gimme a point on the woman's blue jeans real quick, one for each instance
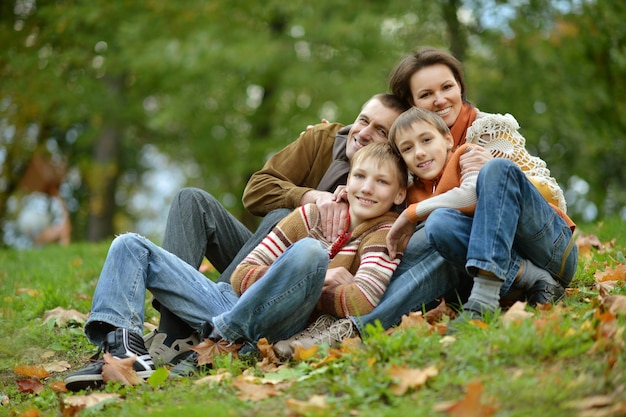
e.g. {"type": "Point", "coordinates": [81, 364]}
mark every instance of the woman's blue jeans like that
{"type": "Point", "coordinates": [512, 222]}
{"type": "Point", "coordinates": [276, 307]}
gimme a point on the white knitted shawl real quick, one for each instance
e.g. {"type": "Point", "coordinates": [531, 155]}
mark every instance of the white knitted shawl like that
{"type": "Point", "coordinates": [499, 134]}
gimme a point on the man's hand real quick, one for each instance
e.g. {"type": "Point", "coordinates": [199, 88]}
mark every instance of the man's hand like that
{"type": "Point", "coordinates": [474, 159]}
{"type": "Point", "coordinates": [399, 234]}
{"type": "Point", "coordinates": [333, 212]}
{"type": "Point", "coordinates": [337, 276]}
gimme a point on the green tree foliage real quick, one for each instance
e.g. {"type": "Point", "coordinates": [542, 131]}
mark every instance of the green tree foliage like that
{"type": "Point", "coordinates": [218, 83]}
{"type": "Point", "coordinates": [562, 73]}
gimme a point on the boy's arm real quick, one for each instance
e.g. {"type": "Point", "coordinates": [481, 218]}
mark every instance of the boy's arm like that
{"type": "Point", "coordinates": [462, 198]}
{"type": "Point", "coordinates": [370, 281]}
{"type": "Point", "coordinates": [254, 266]}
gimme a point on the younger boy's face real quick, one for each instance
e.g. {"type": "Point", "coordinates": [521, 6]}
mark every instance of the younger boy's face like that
{"type": "Point", "coordinates": [373, 188]}
{"type": "Point", "coordinates": [424, 149]}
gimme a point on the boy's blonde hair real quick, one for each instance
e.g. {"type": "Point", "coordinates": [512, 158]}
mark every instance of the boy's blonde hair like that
{"type": "Point", "coordinates": [414, 115]}
{"type": "Point", "coordinates": [383, 152]}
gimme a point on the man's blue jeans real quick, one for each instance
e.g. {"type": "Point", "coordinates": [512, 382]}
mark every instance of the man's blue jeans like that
{"type": "Point", "coordinates": [512, 222]}
{"type": "Point", "coordinates": [276, 307]}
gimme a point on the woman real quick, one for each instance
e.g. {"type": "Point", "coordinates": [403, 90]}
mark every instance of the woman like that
{"type": "Point", "coordinates": [433, 79]}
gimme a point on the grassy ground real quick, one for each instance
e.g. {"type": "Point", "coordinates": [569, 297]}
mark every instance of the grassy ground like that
{"type": "Point", "coordinates": [565, 361]}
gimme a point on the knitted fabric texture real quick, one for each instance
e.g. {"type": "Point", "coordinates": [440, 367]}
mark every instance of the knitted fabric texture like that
{"type": "Point", "coordinates": [364, 254]}
{"type": "Point", "coordinates": [499, 135]}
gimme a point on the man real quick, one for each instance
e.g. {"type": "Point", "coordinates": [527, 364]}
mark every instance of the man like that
{"type": "Point", "coordinates": [306, 171]}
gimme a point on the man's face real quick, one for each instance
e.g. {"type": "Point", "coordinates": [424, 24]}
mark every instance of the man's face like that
{"type": "Point", "coordinates": [371, 125]}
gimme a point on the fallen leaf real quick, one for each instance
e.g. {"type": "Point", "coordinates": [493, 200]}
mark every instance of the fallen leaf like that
{"type": "Point", "coordinates": [63, 317]}
{"type": "Point", "coordinates": [587, 242]}
{"type": "Point", "coordinates": [30, 385]}
{"type": "Point", "coordinates": [470, 406]}
{"type": "Point", "coordinates": [517, 313]}
{"type": "Point", "coordinates": [616, 273]}
{"type": "Point", "coordinates": [616, 304]}
{"type": "Point", "coordinates": [214, 379]}
{"type": "Point", "coordinates": [120, 370]}
{"type": "Point", "coordinates": [254, 392]}
{"type": "Point", "coordinates": [208, 350]}
{"type": "Point", "coordinates": [32, 371]}
{"type": "Point", "coordinates": [302, 354]}
{"type": "Point", "coordinates": [57, 366]}
{"type": "Point", "coordinates": [407, 378]}
{"type": "Point", "coordinates": [57, 386]}
{"type": "Point", "coordinates": [314, 405]}
{"type": "Point", "coordinates": [78, 402]}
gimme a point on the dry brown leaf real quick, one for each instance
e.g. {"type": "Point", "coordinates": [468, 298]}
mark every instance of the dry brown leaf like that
{"type": "Point", "coordinates": [616, 273]}
{"type": "Point", "coordinates": [254, 392]}
{"type": "Point", "coordinates": [315, 404]}
{"type": "Point", "coordinates": [57, 366]}
{"type": "Point", "coordinates": [587, 242]}
{"type": "Point", "coordinates": [415, 319]}
{"type": "Point", "coordinates": [57, 386]}
{"type": "Point", "coordinates": [270, 360]}
{"type": "Point", "coordinates": [84, 401]}
{"type": "Point", "coordinates": [32, 371]}
{"type": "Point", "coordinates": [516, 314]}
{"type": "Point", "coordinates": [31, 412]}
{"type": "Point", "coordinates": [214, 379]}
{"type": "Point", "coordinates": [120, 370]}
{"type": "Point", "coordinates": [30, 385]}
{"type": "Point", "coordinates": [63, 317]}
{"type": "Point", "coordinates": [616, 304]}
{"type": "Point", "coordinates": [438, 313]}
{"type": "Point", "coordinates": [209, 349]}
{"type": "Point", "coordinates": [407, 378]}
{"type": "Point", "coordinates": [470, 406]}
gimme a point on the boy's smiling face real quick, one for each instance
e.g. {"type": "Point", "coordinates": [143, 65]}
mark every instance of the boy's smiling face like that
{"type": "Point", "coordinates": [373, 188]}
{"type": "Point", "coordinates": [424, 149]}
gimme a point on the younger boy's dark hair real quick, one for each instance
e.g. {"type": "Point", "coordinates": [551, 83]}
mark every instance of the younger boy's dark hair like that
{"type": "Point", "coordinates": [414, 115]}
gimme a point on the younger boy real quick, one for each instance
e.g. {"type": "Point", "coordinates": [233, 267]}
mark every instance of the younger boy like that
{"type": "Point", "coordinates": [494, 222]}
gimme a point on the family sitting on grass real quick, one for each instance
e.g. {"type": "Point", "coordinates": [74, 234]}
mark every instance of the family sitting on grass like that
{"type": "Point", "coordinates": [328, 260]}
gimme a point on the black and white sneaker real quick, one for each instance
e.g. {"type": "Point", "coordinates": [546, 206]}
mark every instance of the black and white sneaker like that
{"type": "Point", "coordinates": [120, 343]}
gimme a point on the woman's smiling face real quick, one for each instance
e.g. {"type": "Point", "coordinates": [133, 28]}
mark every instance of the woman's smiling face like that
{"type": "Point", "coordinates": [434, 88]}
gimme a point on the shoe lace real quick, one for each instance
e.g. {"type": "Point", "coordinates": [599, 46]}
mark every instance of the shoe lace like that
{"type": "Point", "coordinates": [327, 329]}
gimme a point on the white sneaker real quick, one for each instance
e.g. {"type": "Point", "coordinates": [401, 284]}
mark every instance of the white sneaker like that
{"type": "Point", "coordinates": [326, 329]}
{"type": "Point", "coordinates": [163, 354]}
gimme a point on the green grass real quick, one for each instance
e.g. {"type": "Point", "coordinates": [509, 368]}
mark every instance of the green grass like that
{"type": "Point", "coordinates": [538, 367]}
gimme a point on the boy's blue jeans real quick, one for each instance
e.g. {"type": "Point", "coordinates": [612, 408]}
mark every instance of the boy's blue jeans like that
{"type": "Point", "coordinates": [512, 222]}
{"type": "Point", "coordinates": [276, 307]}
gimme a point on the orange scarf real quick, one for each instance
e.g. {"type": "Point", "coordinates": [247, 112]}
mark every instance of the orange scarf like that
{"type": "Point", "coordinates": [462, 123]}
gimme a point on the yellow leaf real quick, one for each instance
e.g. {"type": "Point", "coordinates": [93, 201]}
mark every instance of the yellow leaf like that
{"type": "Point", "coordinates": [516, 313]}
{"type": "Point", "coordinates": [315, 404]}
{"type": "Point", "coordinates": [406, 378]}
{"type": "Point", "coordinates": [302, 354]}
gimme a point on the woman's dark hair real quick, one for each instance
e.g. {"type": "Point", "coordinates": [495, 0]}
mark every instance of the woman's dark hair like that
{"type": "Point", "coordinates": [400, 78]}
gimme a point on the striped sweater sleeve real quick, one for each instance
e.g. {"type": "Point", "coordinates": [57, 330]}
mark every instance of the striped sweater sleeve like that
{"type": "Point", "coordinates": [371, 279]}
{"type": "Point", "coordinates": [255, 265]}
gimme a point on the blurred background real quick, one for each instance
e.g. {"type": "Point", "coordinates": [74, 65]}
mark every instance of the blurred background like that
{"type": "Point", "coordinates": [117, 105]}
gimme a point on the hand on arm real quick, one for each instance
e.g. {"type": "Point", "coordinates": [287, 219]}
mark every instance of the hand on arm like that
{"type": "Point", "coordinates": [333, 213]}
{"type": "Point", "coordinates": [338, 276]}
{"type": "Point", "coordinates": [399, 234]}
{"type": "Point", "coordinates": [474, 159]}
